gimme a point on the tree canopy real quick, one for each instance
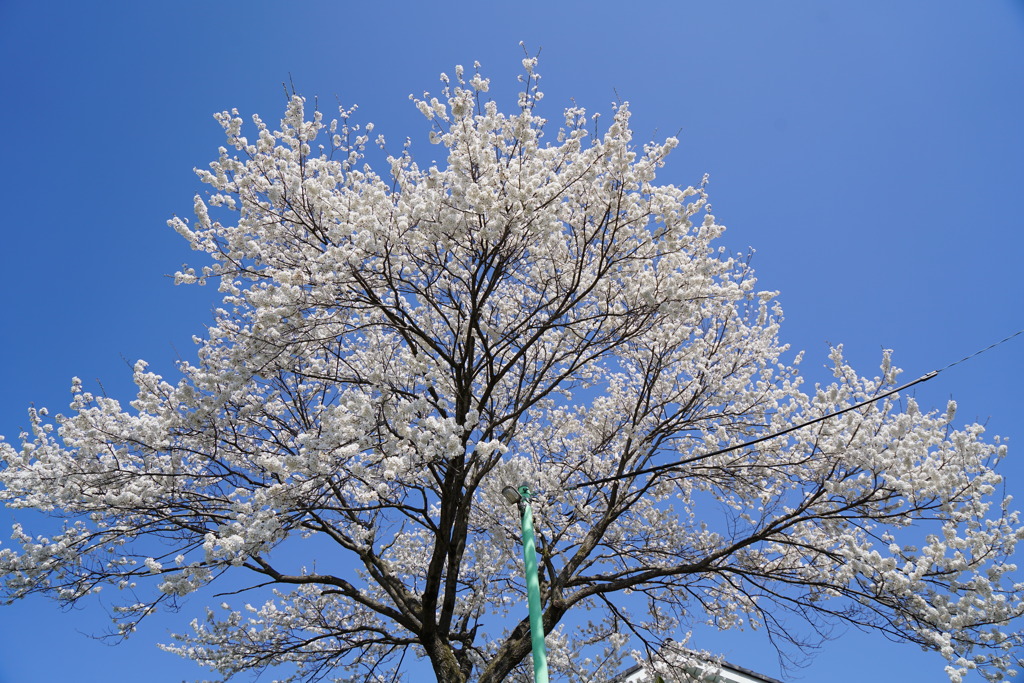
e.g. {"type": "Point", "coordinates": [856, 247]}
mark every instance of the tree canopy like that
{"type": "Point", "coordinates": [395, 348]}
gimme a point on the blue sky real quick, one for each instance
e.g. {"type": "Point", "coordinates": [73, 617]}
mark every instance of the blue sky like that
{"type": "Point", "coordinates": [872, 153]}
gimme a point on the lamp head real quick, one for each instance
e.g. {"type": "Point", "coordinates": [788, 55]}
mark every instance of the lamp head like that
{"type": "Point", "coordinates": [511, 495]}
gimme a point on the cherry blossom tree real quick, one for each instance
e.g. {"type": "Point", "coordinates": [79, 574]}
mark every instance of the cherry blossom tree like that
{"type": "Point", "coordinates": [393, 349]}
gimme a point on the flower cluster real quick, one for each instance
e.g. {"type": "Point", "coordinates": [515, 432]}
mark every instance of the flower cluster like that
{"type": "Point", "coordinates": [392, 350]}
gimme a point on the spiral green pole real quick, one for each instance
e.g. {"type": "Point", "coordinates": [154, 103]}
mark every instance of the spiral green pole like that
{"type": "Point", "coordinates": [540, 659]}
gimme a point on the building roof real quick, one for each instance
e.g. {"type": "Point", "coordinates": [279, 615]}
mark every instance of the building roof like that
{"type": "Point", "coordinates": [727, 673]}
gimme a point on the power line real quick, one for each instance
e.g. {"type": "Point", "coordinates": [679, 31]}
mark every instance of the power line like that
{"type": "Point", "coordinates": [978, 353]}
{"type": "Point", "coordinates": [702, 456]}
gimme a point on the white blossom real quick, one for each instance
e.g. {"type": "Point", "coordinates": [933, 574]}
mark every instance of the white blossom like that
{"type": "Point", "coordinates": [392, 350]}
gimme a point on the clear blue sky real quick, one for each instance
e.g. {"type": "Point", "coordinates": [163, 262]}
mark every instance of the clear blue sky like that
{"type": "Point", "coordinates": [871, 152]}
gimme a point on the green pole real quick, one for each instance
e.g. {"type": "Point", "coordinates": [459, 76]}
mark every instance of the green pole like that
{"type": "Point", "coordinates": [540, 660]}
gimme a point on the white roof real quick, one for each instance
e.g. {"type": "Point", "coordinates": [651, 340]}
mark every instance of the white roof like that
{"type": "Point", "coordinates": [722, 673]}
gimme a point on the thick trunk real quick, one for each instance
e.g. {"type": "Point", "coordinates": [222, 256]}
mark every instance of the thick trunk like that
{"type": "Point", "coordinates": [446, 665]}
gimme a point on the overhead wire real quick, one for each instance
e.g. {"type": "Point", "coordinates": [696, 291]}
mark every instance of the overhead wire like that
{"type": "Point", "coordinates": [783, 432]}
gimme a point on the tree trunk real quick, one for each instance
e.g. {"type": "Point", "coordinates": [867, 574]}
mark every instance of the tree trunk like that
{"type": "Point", "coordinates": [443, 660]}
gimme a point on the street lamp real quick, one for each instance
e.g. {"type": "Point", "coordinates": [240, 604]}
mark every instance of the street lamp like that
{"type": "Point", "coordinates": [521, 498]}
